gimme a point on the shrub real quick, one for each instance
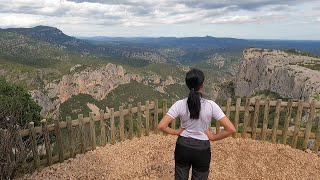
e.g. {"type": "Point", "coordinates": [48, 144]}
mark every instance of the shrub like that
{"type": "Point", "coordinates": [17, 109]}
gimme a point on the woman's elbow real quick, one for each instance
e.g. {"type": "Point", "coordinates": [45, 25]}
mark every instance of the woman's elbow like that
{"type": "Point", "coordinates": [161, 127]}
{"type": "Point", "coordinates": [232, 130]}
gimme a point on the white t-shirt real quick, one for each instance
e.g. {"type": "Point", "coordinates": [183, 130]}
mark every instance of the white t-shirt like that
{"type": "Point", "coordinates": [196, 128]}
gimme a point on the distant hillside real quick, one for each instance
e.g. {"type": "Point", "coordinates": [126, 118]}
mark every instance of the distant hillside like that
{"type": "Point", "coordinates": [53, 36]}
{"type": "Point", "coordinates": [221, 44]}
{"type": "Point", "coordinates": [174, 40]}
{"type": "Point", "coordinates": [140, 51]}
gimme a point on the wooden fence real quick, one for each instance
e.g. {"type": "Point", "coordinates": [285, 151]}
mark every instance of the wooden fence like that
{"type": "Point", "coordinates": [258, 119]}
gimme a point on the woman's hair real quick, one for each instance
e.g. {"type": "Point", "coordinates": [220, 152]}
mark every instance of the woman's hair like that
{"type": "Point", "coordinates": [194, 81]}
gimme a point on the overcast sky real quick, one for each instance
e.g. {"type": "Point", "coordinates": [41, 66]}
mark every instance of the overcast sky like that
{"type": "Point", "coordinates": [250, 19]}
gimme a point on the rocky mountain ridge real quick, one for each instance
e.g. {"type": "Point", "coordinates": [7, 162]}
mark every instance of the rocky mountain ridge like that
{"type": "Point", "coordinates": [277, 71]}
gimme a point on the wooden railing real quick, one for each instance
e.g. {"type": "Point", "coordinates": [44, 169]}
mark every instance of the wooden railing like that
{"type": "Point", "coordinates": [252, 118]}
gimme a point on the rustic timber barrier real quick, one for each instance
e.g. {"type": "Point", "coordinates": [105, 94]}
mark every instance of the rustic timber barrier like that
{"type": "Point", "coordinates": [289, 122]}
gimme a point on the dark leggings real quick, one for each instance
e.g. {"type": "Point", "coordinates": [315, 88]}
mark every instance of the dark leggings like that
{"type": "Point", "coordinates": [192, 152]}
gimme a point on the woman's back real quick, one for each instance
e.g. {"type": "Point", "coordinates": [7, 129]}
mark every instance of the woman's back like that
{"type": "Point", "coordinates": [196, 128]}
{"type": "Point", "coordinates": [195, 112]}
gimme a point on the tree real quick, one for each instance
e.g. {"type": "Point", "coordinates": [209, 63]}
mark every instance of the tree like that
{"type": "Point", "coordinates": [16, 106]}
{"type": "Point", "coordinates": [17, 109]}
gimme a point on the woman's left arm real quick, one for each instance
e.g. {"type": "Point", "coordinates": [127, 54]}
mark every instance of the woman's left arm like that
{"type": "Point", "coordinates": [164, 126]}
{"type": "Point", "coordinates": [226, 132]}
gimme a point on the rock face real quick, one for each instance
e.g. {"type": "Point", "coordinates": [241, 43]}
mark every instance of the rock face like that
{"type": "Point", "coordinates": [44, 101]}
{"type": "Point", "coordinates": [217, 60]}
{"type": "Point", "coordinates": [96, 82]}
{"type": "Point", "coordinates": [277, 71]}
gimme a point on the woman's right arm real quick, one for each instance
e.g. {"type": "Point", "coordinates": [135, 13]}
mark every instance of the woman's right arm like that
{"type": "Point", "coordinates": [227, 131]}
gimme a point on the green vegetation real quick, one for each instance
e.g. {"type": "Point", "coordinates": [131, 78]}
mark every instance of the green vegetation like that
{"type": "Point", "coordinates": [316, 97]}
{"type": "Point", "coordinates": [266, 94]}
{"type": "Point", "coordinates": [299, 53]}
{"type": "Point", "coordinates": [17, 109]}
{"type": "Point", "coordinates": [314, 65]}
{"type": "Point", "coordinates": [177, 91]}
{"type": "Point", "coordinates": [16, 106]}
{"type": "Point", "coordinates": [121, 96]}
{"type": "Point", "coordinates": [259, 50]}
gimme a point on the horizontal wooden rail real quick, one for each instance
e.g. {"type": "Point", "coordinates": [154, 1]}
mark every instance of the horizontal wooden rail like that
{"type": "Point", "coordinates": [285, 104]}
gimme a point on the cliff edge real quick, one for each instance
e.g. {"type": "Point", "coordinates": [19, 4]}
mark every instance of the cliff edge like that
{"type": "Point", "coordinates": [291, 74]}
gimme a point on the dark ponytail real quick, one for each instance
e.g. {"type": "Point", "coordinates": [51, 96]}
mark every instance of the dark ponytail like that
{"type": "Point", "coordinates": [194, 81]}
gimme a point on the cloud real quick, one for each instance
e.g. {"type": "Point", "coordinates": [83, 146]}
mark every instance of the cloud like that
{"type": "Point", "coordinates": [240, 4]}
{"type": "Point", "coordinates": [18, 20]}
{"type": "Point", "coordinates": [76, 14]}
{"type": "Point", "coordinates": [143, 12]}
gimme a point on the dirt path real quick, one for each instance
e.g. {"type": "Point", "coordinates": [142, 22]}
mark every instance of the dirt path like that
{"type": "Point", "coordinates": [152, 158]}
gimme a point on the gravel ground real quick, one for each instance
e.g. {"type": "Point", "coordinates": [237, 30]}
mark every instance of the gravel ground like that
{"type": "Point", "coordinates": [152, 158]}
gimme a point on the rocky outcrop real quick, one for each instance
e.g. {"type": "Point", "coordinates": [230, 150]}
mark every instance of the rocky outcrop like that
{"type": "Point", "coordinates": [45, 102]}
{"type": "Point", "coordinates": [95, 109]}
{"type": "Point", "coordinates": [217, 60]}
{"type": "Point", "coordinates": [98, 83]}
{"type": "Point", "coordinates": [279, 72]}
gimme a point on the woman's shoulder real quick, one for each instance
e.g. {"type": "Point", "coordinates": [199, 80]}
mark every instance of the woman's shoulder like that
{"type": "Point", "coordinates": [208, 100]}
{"type": "Point", "coordinates": [181, 101]}
{"type": "Point", "coordinates": [211, 102]}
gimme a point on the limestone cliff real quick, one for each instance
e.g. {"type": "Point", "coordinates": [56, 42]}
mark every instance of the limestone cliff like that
{"type": "Point", "coordinates": [288, 74]}
{"type": "Point", "coordinates": [96, 82]}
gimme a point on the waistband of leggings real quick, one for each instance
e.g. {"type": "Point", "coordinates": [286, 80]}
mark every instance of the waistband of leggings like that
{"type": "Point", "coordinates": [193, 143]}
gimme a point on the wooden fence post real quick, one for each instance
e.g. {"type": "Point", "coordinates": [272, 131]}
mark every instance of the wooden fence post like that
{"type": "Point", "coordinates": [276, 121]}
{"type": "Point", "coordinates": [218, 124]}
{"type": "Point", "coordinates": [47, 143]}
{"type": "Point", "coordinates": [92, 131]}
{"type": "Point", "coordinates": [130, 122]}
{"type": "Point", "coordinates": [113, 128]}
{"type": "Point", "coordinates": [297, 125]}
{"type": "Point", "coordinates": [71, 136]}
{"type": "Point", "coordinates": [139, 125]}
{"type": "Point", "coordinates": [164, 107]}
{"type": "Point", "coordinates": [228, 110]}
{"type": "Point", "coordinates": [236, 118]}
{"type": "Point", "coordinates": [121, 117]}
{"type": "Point", "coordinates": [255, 118]}
{"type": "Point", "coordinates": [36, 159]}
{"type": "Point", "coordinates": [81, 129]}
{"type": "Point", "coordinates": [317, 140]}
{"type": "Point", "coordinates": [59, 140]}
{"type": "Point", "coordinates": [146, 114]}
{"type": "Point", "coordinates": [309, 125]}
{"type": "Point", "coordinates": [103, 139]}
{"type": "Point", "coordinates": [155, 123]}
{"type": "Point", "coordinates": [164, 110]}
{"type": "Point", "coordinates": [173, 123]}
{"type": "Point", "coordinates": [287, 122]}
{"type": "Point", "coordinates": [246, 118]}
{"type": "Point", "coordinates": [265, 120]}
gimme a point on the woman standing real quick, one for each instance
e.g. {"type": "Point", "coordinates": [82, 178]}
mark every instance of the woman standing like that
{"type": "Point", "coordinates": [195, 112]}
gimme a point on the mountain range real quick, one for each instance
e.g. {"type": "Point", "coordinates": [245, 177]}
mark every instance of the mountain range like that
{"type": "Point", "coordinates": [68, 75]}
